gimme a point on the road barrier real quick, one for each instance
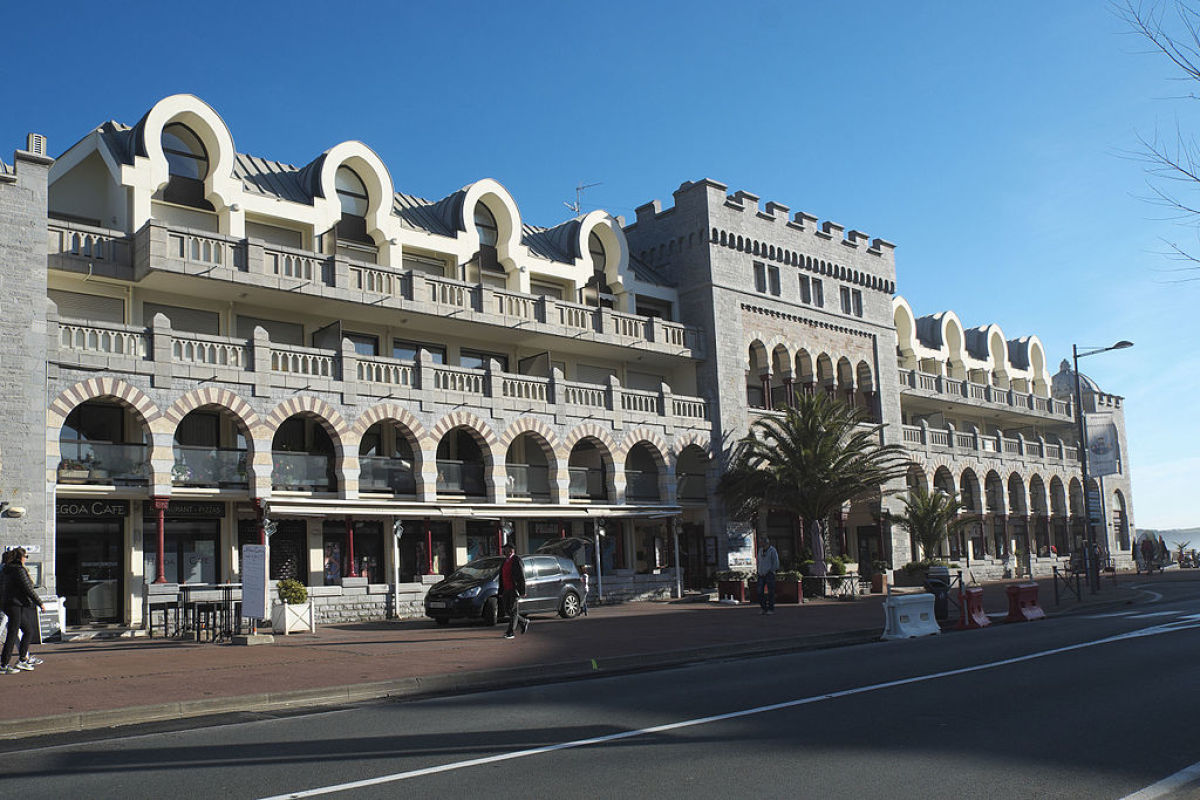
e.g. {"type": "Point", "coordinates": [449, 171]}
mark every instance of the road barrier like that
{"type": "Point", "coordinates": [1023, 603]}
{"type": "Point", "coordinates": [907, 616]}
{"type": "Point", "coordinates": [971, 609]}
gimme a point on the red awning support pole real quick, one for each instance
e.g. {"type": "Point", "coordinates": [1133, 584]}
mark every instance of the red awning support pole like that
{"type": "Point", "coordinates": [428, 548]}
{"type": "Point", "coordinates": [160, 506]}
{"type": "Point", "coordinates": [352, 572]}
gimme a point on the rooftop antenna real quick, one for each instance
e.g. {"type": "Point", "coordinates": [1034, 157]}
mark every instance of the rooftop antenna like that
{"type": "Point", "coordinates": [577, 206]}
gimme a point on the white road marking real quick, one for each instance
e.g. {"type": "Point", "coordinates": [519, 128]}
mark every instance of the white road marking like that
{"type": "Point", "coordinates": [1109, 615]}
{"type": "Point", "coordinates": [1168, 784]}
{"type": "Point", "coordinates": [1150, 614]}
{"type": "Point", "coordinates": [690, 723]}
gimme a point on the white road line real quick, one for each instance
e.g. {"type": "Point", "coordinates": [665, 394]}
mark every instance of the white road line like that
{"type": "Point", "coordinates": [1150, 614]}
{"type": "Point", "coordinates": [1109, 615]}
{"type": "Point", "coordinates": [1168, 785]}
{"type": "Point", "coordinates": [475, 762]}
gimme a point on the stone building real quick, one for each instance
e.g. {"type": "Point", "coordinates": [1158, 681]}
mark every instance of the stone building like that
{"type": "Point", "coordinates": [206, 346]}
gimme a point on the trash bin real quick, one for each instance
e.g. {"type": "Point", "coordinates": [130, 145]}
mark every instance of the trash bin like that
{"type": "Point", "coordinates": [937, 583]}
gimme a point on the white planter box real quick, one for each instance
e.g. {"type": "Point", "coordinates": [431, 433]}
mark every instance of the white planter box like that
{"type": "Point", "coordinates": [289, 618]}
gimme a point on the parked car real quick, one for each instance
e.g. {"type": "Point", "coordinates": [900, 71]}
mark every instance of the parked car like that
{"type": "Point", "coordinates": [552, 584]}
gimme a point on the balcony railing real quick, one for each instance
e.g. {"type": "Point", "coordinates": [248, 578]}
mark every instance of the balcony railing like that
{"type": "Point", "coordinates": [301, 472]}
{"type": "Point", "coordinates": [386, 474]}
{"type": "Point", "coordinates": [923, 436]}
{"type": "Point", "coordinates": [104, 463]}
{"type": "Point", "coordinates": [528, 480]}
{"type": "Point", "coordinates": [209, 466]}
{"type": "Point", "coordinates": [691, 488]}
{"type": "Point", "coordinates": [587, 484]}
{"type": "Point", "coordinates": [967, 390]}
{"type": "Point", "coordinates": [265, 363]}
{"type": "Point", "coordinates": [460, 477]}
{"type": "Point", "coordinates": [640, 485]}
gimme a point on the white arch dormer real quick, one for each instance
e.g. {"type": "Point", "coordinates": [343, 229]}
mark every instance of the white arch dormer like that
{"type": "Point", "coordinates": [997, 350]}
{"type": "Point", "coordinates": [369, 167]}
{"type": "Point", "coordinates": [906, 332]}
{"type": "Point", "coordinates": [955, 343]}
{"type": "Point", "coordinates": [150, 173]}
{"type": "Point", "coordinates": [616, 248]}
{"type": "Point", "coordinates": [504, 209]}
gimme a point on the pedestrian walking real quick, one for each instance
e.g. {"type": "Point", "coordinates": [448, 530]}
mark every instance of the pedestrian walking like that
{"type": "Point", "coordinates": [18, 599]}
{"type": "Point", "coordinates": [583, 575]}
{"type": "Point", "coordinates": [768, 565]}
{"type": "Point", "coordinates": [512, 589]}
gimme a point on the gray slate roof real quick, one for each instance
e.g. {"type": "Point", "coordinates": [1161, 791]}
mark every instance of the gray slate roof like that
{"type": "Point", "coordinates": [443, 217]}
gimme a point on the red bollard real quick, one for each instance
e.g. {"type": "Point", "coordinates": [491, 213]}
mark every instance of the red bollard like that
{"type": "Point", "coordinates": [1023, 603]}
{"type": "Point", "coordinates": [972, 616]}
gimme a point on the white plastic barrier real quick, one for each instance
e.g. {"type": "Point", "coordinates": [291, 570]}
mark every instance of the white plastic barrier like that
{"type": "Point", "coordinates": [907, 616]}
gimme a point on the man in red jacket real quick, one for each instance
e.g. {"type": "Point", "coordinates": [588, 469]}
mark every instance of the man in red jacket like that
{"type": "Point", "coordinates": [512, 589]}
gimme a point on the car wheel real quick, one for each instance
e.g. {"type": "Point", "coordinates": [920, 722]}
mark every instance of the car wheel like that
{"type": "Point", "coordinates": [442, 621]}
{"type": "Point", "coordinates": [570, 607]}
{"type": "Point", "coordinates": [490, 613]}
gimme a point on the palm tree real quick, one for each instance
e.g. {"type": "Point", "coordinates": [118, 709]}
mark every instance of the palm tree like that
{"type": "Point", "coordinates": [930, 517]}
{"type": "Point", "coordinates": [817, 457]}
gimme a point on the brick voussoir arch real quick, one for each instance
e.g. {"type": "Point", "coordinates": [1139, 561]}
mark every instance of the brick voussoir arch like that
{"type": "Point", "coordinates": [95, 388]}
{"type": "Point", "coordinates": [213, 396]}
{"type": "Point", "coordinates": [689, 439]}
{"type": "Point", "coordinates": [465, 419]}
{"type": "Point", "coordinates": [311, 406]}
{"type": "Point", "coordinates": [389, 411]}
{"type": "Point", "coordinates": [590, 430]}
{"type": "Point", "coordinates": [639, 435]}
{"type": "Point", "coordinates": [524, 425]}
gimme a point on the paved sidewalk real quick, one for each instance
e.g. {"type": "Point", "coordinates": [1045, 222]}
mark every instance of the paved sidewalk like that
{"type": "Point", "coordinates": [102, 683]}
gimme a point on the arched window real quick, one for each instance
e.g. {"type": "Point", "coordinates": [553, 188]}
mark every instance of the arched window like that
{"type": "Point", "coordinates": [596, 291]}
{"type": "Point", "coordinates": [353, 199]}
{"type": "Point", "coordinates": [485, 226]}
{"type": "Point", "coordinates": [187, 165]}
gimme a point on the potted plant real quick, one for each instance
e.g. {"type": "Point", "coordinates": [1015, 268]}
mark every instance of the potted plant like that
{"type": "Point", "coordinates": [294, 611]}
{"type": "Point", "coordinates": [732, 583]}
{"type": "Point", "coordinates": [71, 471]}
{"type": "Point", "coordinates": [787, 587]}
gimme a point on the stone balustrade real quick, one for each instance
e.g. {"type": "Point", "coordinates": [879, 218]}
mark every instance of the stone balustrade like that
{"type": "Point", "coordinates": [972, 442]}
{"type": "Point", "coordinates": [275, 368]}
{"type": "Point", "coordinates": [924, 382]}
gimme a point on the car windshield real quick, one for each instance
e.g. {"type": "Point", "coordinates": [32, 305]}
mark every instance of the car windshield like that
{"type": "Point", "coordinates": [480, 568]}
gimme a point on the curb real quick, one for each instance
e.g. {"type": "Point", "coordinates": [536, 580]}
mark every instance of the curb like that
{"type": "Point", "coordinates": [418, 686]}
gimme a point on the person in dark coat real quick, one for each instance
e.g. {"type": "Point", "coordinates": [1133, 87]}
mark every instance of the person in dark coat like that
{"type": "Point", "coordinates": [512, 589]}
{"type": "Point", "coordinates": [18, 601]}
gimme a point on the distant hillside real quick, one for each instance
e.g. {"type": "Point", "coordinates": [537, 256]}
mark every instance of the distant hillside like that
{"type": "Point", "coordinates": [1173, 535]}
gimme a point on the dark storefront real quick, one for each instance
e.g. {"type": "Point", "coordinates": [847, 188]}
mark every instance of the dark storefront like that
{"type": "Point", "coordinates": [192, 542]}
{"type": "Point", "coordinates": [289, 547]}
{"type": "Point", "coordinates": [422, 538]}
{"type": "Point", "coordinates": [367, 551]}
{"type": "Point", "coordinates": [89, 559]}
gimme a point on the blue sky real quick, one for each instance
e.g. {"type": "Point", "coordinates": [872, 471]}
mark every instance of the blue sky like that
{"type": "Point", "coordinates": [989, 141]}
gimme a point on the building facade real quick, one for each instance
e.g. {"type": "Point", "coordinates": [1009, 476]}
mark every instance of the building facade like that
{"type": "Point", "coordinates": [208, 346]}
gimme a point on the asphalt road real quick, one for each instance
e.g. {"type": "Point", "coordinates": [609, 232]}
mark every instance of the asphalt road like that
{"type": "Point", "coordinates": [1088, 706]}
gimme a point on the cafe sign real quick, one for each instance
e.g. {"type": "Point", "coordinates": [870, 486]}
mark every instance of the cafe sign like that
{"type": "Point", "coordinates": [92, 509]}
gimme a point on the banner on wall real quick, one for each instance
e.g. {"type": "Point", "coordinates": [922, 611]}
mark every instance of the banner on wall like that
{"type": "Point", "coordinates": [1102, 455]}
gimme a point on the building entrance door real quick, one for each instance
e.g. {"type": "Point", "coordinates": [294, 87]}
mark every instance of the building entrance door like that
{"type": "Point", "coordinates": [691, 553]}
{"type": "Point", "coordinates": [870, 547]}
{"type": "Point", "coordinates": [89, 571]}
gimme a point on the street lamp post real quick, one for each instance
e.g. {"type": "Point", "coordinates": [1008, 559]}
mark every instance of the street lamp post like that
{"type": "Point", "coordinates": [1091, 565]}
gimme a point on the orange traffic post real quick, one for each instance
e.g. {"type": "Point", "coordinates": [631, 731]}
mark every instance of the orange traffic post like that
{"type": "Point", "coordinates": [971, 603]}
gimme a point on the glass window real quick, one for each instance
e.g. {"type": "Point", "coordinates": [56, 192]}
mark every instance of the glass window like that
{"type": "Point", "coordinates": [818, 287]}
{"type": "Point", "coordinates": [760, 277]}
{"type": "Point", "coordinates": [185, 153]}
{"type": "Point", "coordinates": [477, 359]}
{"type": "Point", "coordinates": [351, 192]}
{"type": "Point", "coordinates": [485, 226]}
{"type": "Point", "coordinates": [805, 289]}
{"type": "Point", "coordinates": [856, 300]}
{"type": "Point", "coordinates": [407, 351]}
{"type": "Point", "coordinates": [773, 280]}
{"type": "Point", "coordinates": [364, 344]}
{"type": "Point", "coordinates": [844, 292]}
{"type": "Point", "coordinates": [596, 251]}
